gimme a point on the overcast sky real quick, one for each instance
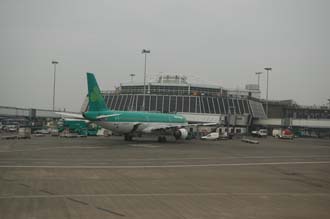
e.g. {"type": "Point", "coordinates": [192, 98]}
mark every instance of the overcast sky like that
{"type": "Point", "coordinates": [218, 42]}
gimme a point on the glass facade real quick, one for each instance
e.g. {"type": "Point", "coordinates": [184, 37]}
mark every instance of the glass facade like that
{"type": "Point", "coordinates": [165, 89]}
{"type": "Point", "coordinates": [174, 103]}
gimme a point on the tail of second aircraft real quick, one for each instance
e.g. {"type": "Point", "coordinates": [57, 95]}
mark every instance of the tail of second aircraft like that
{"type": "Point", "coordinates": [96, 100]}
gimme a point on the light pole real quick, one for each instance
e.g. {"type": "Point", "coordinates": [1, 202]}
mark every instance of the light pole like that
{"type": "Point", "coordinates": [132, 75]}
{"type": "Point", "coordinates": [267, 69]}
{"type": "Point", "coordinates": [145, 52]}
{"type": "Point", "coordinates": [258, 74]}
{"type": "Point", "coordinates": [54, 63]}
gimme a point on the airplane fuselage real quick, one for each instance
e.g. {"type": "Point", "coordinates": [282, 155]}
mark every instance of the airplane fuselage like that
{"type": "Point", "coordinates": [125, 122]}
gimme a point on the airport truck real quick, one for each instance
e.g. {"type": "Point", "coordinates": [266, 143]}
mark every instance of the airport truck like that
{"type": "Point", "coordinates": [24, 132]}
{"type": "Point", "coordinates": [283, 133]}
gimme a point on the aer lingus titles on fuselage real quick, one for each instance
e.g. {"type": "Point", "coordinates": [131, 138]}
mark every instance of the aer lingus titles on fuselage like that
{"type": "Point", "coordinates": [130, 123]}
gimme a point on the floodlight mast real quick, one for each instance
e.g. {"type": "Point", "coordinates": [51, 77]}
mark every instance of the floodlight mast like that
{"type": "Point", "coordinates": [267, 69]}
{"type": "Point", "coordinates": [258, 74]}
{"type": "Point", "coordinates": [132, 76]}
{"type": "Point", "coordinates": [145, 52]}
{"type": "Point", "coordinates": [54, 63]}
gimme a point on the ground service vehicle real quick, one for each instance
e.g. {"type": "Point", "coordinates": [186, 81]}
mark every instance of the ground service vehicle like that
{"type": "Point", "coordinates": [211, 136]}
{"type": "Point", "coordinates": [284, 134]}
{"type": "Point", "coordinates": [260, 133]}
{"type": "Point", "coordinates": [216, 136]}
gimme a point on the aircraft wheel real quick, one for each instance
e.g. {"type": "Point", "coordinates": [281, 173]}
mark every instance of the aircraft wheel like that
{"type": "Point", "coordinates": [128, 138]}
{"type": "Point", "coordinates": [161, 139]}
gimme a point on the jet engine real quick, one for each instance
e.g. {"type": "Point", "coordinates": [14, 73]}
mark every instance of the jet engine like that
{"type": "Point", "coordinates": [181, 134]}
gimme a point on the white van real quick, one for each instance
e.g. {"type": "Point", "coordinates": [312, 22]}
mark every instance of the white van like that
{"type": "Point", "coordinates": [260, 133]}
{"type": "Point", "coordinates": [211, 136]}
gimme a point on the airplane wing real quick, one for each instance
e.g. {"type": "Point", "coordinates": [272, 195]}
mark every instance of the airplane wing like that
{"type": "Point", "coordinates": [163, 127]}
{"type": "Point", "coordinates": [204, 124]}
{"type": "Point", "coordinates": [71, 115]}
{"type": "Point", "coordinates": [160, 128]}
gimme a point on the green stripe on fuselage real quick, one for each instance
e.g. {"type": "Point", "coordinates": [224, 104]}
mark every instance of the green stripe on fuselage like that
{"type": "Point", "coordinates": [127, 116]}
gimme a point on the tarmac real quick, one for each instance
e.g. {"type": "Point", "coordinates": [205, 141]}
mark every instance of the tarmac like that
{"type": "Point", "coordinates": [107, 177]}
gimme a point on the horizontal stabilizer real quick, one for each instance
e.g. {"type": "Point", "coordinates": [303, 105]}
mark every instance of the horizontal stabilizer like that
{"type": "Point", "coordinates": [204, 124]}
{"type": "Point", "coordinates": [106, 116]}
{"type": "Point", "coordinates": [71, 115]}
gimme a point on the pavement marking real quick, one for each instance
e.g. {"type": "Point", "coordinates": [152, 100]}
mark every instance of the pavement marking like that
{"type": "Point", "coordinates": [169, 166]}
{"type": "Point", "coordinates": [69, 196]}
{"type": "Point", "coordinates": [165, 159]}
{"type": "Point", "coordinates": [144, 145]}
{"type": "Point", "coordinates": [51, 148]}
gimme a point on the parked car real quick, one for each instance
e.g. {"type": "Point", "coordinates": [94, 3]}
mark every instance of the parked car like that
{"type": "Point", "coordinates": [41, 131]}
{"type": "Point", "coordinates": [211, 136]}
{"type": "Point", "coordinates": [215, 136]}
{"type": "Point", "coordinates": [11, 128]}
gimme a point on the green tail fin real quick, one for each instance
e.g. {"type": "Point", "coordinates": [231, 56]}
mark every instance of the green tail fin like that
{"type": "Point", "coordinates": [96, 100]}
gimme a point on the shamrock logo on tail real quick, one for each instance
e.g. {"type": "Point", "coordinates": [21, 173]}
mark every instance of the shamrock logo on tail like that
{"type": "Point", "coordinates": [96, 95]}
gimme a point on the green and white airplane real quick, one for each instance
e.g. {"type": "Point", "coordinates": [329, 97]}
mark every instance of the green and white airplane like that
{"type": "Point", "coordinates": [130, 123]}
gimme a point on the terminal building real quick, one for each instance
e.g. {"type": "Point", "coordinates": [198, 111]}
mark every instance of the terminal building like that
{"type": "Point", "coordinates": [313, 121]}
{"type": "Point", "coordinates": [197, 102]}
{"type": "Point", "coordinates": [213, 103]}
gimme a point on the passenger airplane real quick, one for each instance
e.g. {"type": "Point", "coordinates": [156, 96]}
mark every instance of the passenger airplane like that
{"type": "Point", "coordinates": [129, 123]}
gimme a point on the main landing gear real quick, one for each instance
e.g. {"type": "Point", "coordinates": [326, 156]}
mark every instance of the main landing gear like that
{"type": "Point", "coordinates": [161, 139]}
{"type": "Point", "coordinates": [128, 137]}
